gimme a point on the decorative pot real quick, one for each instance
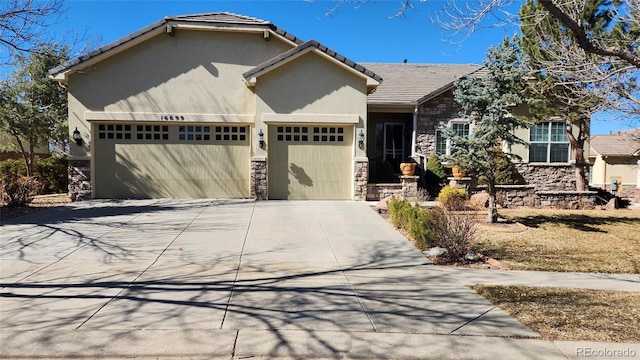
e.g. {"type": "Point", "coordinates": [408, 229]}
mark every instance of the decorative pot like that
{"type": "Point", "coordinates": [457, 172]}
{"type": "Point", "coordinates": [408, 169]}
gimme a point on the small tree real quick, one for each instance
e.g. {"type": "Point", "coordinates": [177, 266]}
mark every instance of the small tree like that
{"type": "Point", "coordinates": [486, 99]}
{"type": "Point", "coordinates": [33, 107]}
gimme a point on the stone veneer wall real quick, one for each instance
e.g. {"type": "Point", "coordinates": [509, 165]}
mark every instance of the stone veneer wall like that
{"type": "Point", "coordinates": [361, 176]}
{"type": "Point", "coordinates": [549, 177]}
{"type": "Point", "coordinates": [441, 109]}
{"type": "Point", "coordinates": [79, 175]}
{"type": "Point", "coordinates": [259, 178]}
{"type": "Point", "coordinates": [512, 196]}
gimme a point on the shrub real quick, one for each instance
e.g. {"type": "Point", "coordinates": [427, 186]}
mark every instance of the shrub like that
{"type": "Point", "coordinates": [452, 198]}
{"type": "Point", "coordinates": [52, 173]}
{"type": "Point", "coordinates": [13, 167]}
{"type": "Point", "coordinates": [434, 176]}
{"type": "Point", "coordinates": [454, 232]}
{"type": "Point", "coordinates": [18, 190]}
{"type": "Point", "coordinates": [412, 219]}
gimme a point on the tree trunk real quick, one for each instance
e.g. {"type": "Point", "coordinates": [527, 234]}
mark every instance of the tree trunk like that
{"type": "Point", "coordinates": [492, 215]}
{"type": "Point", "coordinates": [577, 144]}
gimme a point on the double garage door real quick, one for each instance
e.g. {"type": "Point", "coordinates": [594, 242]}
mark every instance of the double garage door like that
{"type": "Point", "coordinates": [176, 161]}
{"type": "Point", "coordinates": [310, 162]}
{"type": "Point", "coordinates": [211, 161]}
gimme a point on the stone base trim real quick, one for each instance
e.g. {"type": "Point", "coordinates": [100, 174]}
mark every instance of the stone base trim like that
{"type": "Point", "coordinates": [259, 178]}
{"type": "Point", "coordinates": [79, 174]}
{"type": "Point", "coordinates": [360, 177]}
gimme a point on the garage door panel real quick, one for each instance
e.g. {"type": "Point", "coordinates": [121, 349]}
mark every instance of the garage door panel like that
{"type": "Point", "coordinates": [142, 168]}
{"type": "Point", "coordinates": [311, 169]}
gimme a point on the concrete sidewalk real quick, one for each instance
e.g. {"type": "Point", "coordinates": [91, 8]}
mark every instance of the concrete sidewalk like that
{"type": "Point", "coordinates": [234, 279]}
{"type": "Point", "coordinates": [615, 282]}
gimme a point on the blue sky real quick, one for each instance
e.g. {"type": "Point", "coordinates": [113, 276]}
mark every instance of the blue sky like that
{"type": "Point", "coordinates": [363, 34]}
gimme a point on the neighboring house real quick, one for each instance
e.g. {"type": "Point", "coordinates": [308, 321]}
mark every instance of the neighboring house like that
{"type": "Point", "coordinates": [225, 105]}
{"type": "Point", "coordinates": [8, 150]}
{"type": "Point", "coordinates": [616, 163]}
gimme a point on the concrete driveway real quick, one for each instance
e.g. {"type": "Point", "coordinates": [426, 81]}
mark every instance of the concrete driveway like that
{"type": "Point", "coordinates": [233, 279]}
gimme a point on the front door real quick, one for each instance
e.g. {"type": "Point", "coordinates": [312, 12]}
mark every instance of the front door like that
{"type": "Point", "coordinates": [393, 144]}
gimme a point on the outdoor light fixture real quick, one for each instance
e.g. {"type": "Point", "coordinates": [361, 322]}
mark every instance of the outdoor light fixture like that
{"type": "Point", "coordinates": [77, 137]}
{"type": "Point", "coordinates": [261, 139]}
{"type": "Point", "coordinates": [361, 139]}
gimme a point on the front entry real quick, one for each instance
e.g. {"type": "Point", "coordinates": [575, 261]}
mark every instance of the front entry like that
{"type": "Point", "coordinates": [310, 162]}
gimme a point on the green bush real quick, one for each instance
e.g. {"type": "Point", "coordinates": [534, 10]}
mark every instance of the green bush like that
{"type": "Point", "coordinates": [412, 219]}
{"type": "Point", "coordinates": [51, 172]}
{"type": "Point", "coordinates": [434, 176]}
{"type": "Point", "coordinates": [13, 167]}
{"type": "Point", "coordinates": [452, 198]}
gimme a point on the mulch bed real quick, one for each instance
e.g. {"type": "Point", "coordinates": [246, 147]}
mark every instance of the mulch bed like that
{"type": "Point", "coordinates": [39, 203]}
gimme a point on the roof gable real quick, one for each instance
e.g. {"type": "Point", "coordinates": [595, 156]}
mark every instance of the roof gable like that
{"type": "Point", "coordinates": [217, 20]}
{"type": "Point", "coordinates": [373, 80]}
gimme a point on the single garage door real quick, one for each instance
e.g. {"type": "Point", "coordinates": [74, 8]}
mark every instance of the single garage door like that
{"type": "Point", "coordinates": [310, 162]}
{"type": "Point", "coordinates": [175, 161]}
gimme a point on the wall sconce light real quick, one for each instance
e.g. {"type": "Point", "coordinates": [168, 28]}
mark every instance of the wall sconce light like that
{"type": "Point", "coordinates": [261, 139]}
{"type": "Point", "coordinates": [77, 137]}
{"type": "Point", "coordinates": [361, 139]}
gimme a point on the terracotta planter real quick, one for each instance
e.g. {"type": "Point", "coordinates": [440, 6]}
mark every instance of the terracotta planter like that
{"type": "Point", "coordinates": [408, 169]}
{"type": "Point", "coordinates": [457, 172]}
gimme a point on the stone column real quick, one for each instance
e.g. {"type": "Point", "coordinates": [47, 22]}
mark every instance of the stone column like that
{"type": "Point", "coordinates": [259, 178]}
{"type": "Point", "coordinates": [360, 178]}
{"type": "Point", "coordinates": [409, 186]}
{"type": "Point", "coordinates": [636, 191]}
{"type": "Point", "coordinates": [79, 176]}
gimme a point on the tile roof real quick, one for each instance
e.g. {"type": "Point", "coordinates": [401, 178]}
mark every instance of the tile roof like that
{"type": "Point", "coordinates": [410, 84]}
{"type": "Point", "coordinates": [302, 47]}
{"type": "Point", "coordinates": [214, 19]}
{"type": "Point", "coordinates": [623, 143]}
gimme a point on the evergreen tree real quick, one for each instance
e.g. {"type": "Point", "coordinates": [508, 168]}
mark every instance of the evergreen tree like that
{"type": "Point", "coordinates": [33, 107]}
{"type": "Point", "coordinates": [487, 99]}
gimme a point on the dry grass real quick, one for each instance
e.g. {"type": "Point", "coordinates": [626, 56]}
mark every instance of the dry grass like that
{"type": "Point", "coordinates": [571, 314]}
{"type": "Point", "coordinates": [562, 240]}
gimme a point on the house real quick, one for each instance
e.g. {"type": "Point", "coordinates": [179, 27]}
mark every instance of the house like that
{"type": "Point", "coordinates": [202, 105]}
{"type": "Point", "coordinates": [616, 163]}
{"type": "Point", "coordinates": [8, 149]}
{"type": "Point", "coordinates": [225, 105]}
{"type": "Point", "coordinates": [409, 111]}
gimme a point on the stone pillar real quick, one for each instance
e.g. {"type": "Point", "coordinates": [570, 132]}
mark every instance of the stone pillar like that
{"type": "Point", "coordinates": [79, 175]}
{"type": "Point", "coordinates": [636, 191]}
{"type": "Point", "coordinates": [409, 186]}
{"type": "Point", "coordinates": [259, 178]}
{"type": "Point", "coordinates": [360, 178]}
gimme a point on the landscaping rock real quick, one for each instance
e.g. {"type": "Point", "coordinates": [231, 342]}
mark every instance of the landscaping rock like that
{"type": "Point", "coordinates": [612, 204]}
{"type": "Point", "coordinates": [435, 251]}
{"type": "Point", "coordinates": [383, 204]}
{"type": "Point", "coordinates": [473, 257]}
{"type": "Point", "coordinates": [479, 201]}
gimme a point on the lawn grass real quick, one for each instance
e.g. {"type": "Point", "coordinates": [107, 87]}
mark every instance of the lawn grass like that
{"type": "Point", "coordinates": [570, 314]}
{"type": "Point", "coordinates": [565, 240]}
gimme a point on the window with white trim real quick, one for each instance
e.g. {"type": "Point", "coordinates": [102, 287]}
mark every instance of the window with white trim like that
{"type": "Point", "coordinates": [548, 143]}
{"type": "Point", "coordinates": [443, 145]}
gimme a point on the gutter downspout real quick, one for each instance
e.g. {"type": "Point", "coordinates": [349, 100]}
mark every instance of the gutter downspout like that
{"type": "Point", "coordinates": [414, 132]}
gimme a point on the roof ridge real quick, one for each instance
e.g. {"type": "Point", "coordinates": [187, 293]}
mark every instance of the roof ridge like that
{"type": "Point", "coordinates": [228, 13]}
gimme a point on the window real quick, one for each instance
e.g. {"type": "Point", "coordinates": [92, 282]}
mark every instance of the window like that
{"type": "Point", "coordinates": [443, 145]}
{"type": "Point", "coordinates": [194, 133]}
{"type": "Point", "coordinates": [292, 133]}
{"type": "Point", "coordinates": [152, 132]}
{"type": "Point", "coordinates": [114, 131]}
{"type": "Point", "coordinates": [230, 133]}
{"type": "Point", "coordinates": [548, 143]}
